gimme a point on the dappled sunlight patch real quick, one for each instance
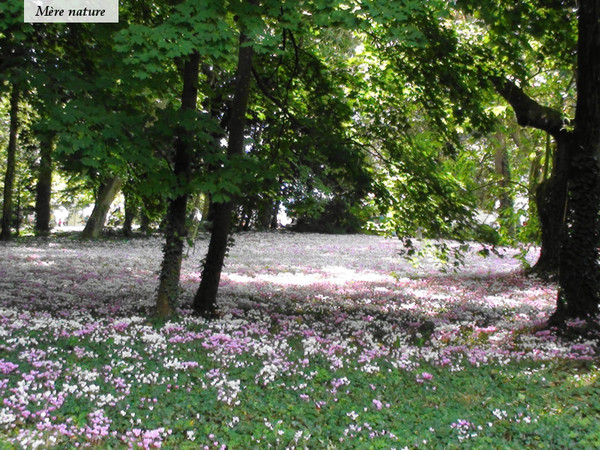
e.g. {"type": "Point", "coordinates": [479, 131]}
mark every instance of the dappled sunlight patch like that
{"type": "Point", "coordinates": [334, 275]}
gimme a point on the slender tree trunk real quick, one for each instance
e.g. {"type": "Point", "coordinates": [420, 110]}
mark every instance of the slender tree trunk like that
{"type": "Point", "coordinates": [274, 215]}
{"type": "Point", "coordinates": [175, 229]}
{"type": "Point", "coordinates": [502, 168]}
{"type": "Point", "coordinates": [206, 208]}
{"type": "Point", "coordinates": [9, 178]}
{"type": "Point", "coordinates": [579, 272]}
{"type": "Point", "coordinates": [18, 211]}
{"type": "Point", "coordinates": [130, 211]}
{"type": "Point", "coordinates": [534, 180]}
{"type": "Point", "coordinates": [145, 223]}
{"type": "Point", "coordinates": [43, 191]}
{"type": "Point", "coordinates": [106, 195]}
{"type": "Point", "coordinates": [205, 301]}
{"type": "Point", "coordinates": [265, 212]}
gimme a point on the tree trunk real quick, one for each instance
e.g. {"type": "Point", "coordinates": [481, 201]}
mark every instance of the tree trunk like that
{"type": "Point", "coordinates": [205, 301]}
{"type": "Point", "coordinates": [502, 168]}
{"type": "Point", "coordinates": [579, 272]}
{"type": "Point", "coordinates": [175, 229]}
{"type": "Point", "coordinates": [17, 223]}
{"type": "Point", "coordinates": [551, 198]}
{"type": "Point", "coordinates": [43, 191]}
{"type": "Point", "coordinates": [9, 178]}
{"type": "Point", "coordinates": [265, 212]}
{"type": "Point", "coordinates": [274, 215]}
{"type": "Point", "coordinates": [130, 211]}
{"type": "Point", "coordinates": [106, 195]}
{"type": "Point", "coordinates": [535, 178]}
{"type": "Point", "coordinates": [206, 208]}
{"type": "Point", "coordinates": [145, 223]}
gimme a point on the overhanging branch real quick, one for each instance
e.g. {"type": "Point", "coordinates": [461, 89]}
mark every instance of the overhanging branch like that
{"type": "Point", "coordinates": [529, 112]}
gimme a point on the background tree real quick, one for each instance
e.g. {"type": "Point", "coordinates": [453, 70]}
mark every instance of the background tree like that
{"type": "Point", "coordinates": [568, 201]}
{"type": "Point", "coordinates": [9, 178]}
{"type": "Point", "coordinates": [537, 43]}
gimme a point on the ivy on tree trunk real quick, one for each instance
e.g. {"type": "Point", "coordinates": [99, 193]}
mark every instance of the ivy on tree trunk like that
{"type": "Point", "coordinates": [570, 201]}
{"type": "Point", "coordinates": [175, 230]}
{"type": "Point", "coordinates": [579, 271]}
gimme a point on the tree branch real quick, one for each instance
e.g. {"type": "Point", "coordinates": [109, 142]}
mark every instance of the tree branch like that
{"type": "Point", "coordinates": [529, 112]}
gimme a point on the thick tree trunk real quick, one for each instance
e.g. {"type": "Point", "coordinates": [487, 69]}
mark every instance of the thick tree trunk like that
{"type": "Point", "coordinates": [579, 272]}
{"type": "Point", "coordinates": [551, 199]}
{"type": "Point", "coordinates": [106, 195]}
{"type": "Point", "coordinates": [205, 301]}
{"type": "Point", "coordinates": [9, 178]}
{"type": "Point", "coordinates": [175, 229]}
{"type": "Point", "coordinates": [43, 191]}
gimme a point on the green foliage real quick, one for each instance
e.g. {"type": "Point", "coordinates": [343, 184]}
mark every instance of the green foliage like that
{"type": "Point", "coordinates": [362, 111]}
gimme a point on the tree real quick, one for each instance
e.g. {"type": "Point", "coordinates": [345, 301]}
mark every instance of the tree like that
{"type": "Point", "coordinates": [569, 202]}
{"type": "Point", "coordinates": [536, 43]}
{"type": "Point", "coordinates": [9, 178]}
{"type": "Point", "coordinates": [205, 298]}
{"type": "Point", "coordinates": [108, 190]}
{"type": "Point", "coordinates": [168, 289]}
{"type": "Point", "coordinates": [579, 275]}
{"type": "Point", "coordinates": [551, 195]}
{"type": "Point", "coordinates": [44, 185]}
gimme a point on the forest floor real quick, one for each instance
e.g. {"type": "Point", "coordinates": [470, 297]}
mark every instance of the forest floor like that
{"type": "Point", "coordinates": [324, 342]}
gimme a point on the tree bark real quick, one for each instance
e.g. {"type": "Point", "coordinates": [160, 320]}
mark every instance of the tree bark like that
{"type": "Point", "coordinates": [205, 300]}
{"type": "Point", "coordinates": [579, 272]}
{"type": "Point", "coordinates": [571, 198]}
{"type": "Point", "coordinates": [130, 211]}
{"type": "Point", "coordinates": [265, 212]}
{"type": "Point", "coordinates": [43, 191]}
{"type": "Point", "coordinates": [145, 223]}
{"type": "Point", "coordinates": [502, 168]}
{"type": "Point", "coordinates": [551, 198]}
{"type": "Point", "coordinates": [106, 195]}
{"type": "Point", "coordinates": [175, 229]}
{"type": "Point", "coordinates": [551, 194]}
{"type": "Point", "coordinates": [9, 178]}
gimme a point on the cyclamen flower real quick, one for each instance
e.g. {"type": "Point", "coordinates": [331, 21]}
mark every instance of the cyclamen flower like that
{"type": "Point", "coordinates": [7, 367]}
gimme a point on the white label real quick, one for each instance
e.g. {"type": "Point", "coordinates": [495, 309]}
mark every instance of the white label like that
{"type": "Point", "coordinates": [70, 11]}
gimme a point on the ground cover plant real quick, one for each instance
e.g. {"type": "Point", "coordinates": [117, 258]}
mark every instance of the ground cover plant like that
{"type": "Point", "coordinates": [323, 342]}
